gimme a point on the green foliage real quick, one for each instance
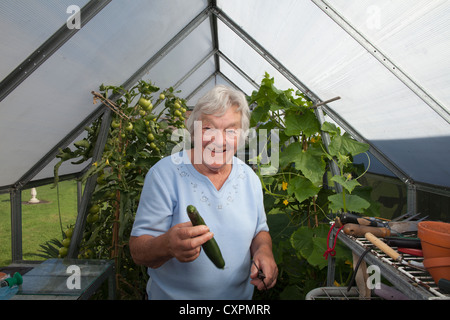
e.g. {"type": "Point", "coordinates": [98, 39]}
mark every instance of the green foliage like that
{"type": "Point", "coordinates": [299, 191]}
{"type": "Point", "coordinates": [302, 188]}
{"type": "Point", "coordinates": [138, 138]}
{"type": "Point", "coordinates": [50, 249]}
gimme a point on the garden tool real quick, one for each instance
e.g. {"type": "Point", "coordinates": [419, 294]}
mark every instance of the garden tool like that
{"type": "Point", "coordinates": [410, 251]}
{"type": "Point", "coordinates": [359, 225]}
{"type": "Point", "coordinates": [357, 230]}
{"type": "Point", "coordinates": [14, 280]}
{"type": "Point", "coordinates": [403, 242]}
{"type": "Point", "coordinates": [392, 253]}
{"type": "Point", "coordinates": [261, 275]}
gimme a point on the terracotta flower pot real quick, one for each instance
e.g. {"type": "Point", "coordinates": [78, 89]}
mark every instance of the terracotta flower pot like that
{"type": "Point", "coordinates": [439, 268]}
{"type": "Point", "coordinates": [435, 239]}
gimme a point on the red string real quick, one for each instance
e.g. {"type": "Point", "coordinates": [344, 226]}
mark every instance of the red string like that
{"type": "Point", "coordinates": [331, 251]}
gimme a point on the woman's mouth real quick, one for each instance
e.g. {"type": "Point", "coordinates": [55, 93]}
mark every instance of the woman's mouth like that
{"type": "Point", "coordinates": [216, 150]}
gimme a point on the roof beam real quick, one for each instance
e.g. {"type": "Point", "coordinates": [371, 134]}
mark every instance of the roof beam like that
{"type": "Point", "coordinates": [384, 60]}
{"type": "Point", "coordinates": [48, 48]}
{"type": "Point", "coordinates": [214, 33]}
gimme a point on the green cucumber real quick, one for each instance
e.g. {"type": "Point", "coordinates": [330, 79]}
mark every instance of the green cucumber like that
{"type": "Point", "coordinates": [210, 247]}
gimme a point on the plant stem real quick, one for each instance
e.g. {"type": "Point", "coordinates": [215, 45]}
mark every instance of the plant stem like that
{"type": "Point", "coordinates": [341, 170]}
{"type": "Point", "coordinates": [59, 210]}
{"type": "Point", "coordinates": [343, 199]}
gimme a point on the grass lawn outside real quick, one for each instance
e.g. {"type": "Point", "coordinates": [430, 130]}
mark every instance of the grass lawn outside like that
{"type": "Point", "coordinates": [40, 222]}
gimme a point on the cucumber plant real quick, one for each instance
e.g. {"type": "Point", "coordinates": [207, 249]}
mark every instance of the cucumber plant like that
{"type": "Point", "coordinates": [302, 188]}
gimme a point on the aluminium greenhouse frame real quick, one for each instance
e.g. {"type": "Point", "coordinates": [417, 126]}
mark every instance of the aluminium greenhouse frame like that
{"type": "Point", "coordinates": [214, 13]}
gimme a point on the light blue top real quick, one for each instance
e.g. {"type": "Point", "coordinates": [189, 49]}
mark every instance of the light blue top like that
{"type": "Point", "coordinates": [235, 214]}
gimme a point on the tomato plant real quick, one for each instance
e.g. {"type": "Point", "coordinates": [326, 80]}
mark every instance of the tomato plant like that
{"type": "Point", "coordinates": [139, 136]}
{"type": "Point", "coordinates": [302, 188]}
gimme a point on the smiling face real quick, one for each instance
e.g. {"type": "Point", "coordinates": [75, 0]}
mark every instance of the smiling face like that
{"type": "Point", "coordinates": [218, 139]}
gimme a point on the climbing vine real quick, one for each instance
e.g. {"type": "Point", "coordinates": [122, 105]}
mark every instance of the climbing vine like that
{"type": "Point", "coordinates": [301, 192]}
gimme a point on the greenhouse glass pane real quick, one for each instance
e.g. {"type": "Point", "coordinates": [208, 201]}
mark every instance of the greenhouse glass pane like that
{"type": "Point", "coordinates": [247, 59]}
{"type": "Point", "coordinates": [415, 35]}
{"type": "Point", "coordinates": [182, 58]}
{"type": "Point", "coordinates": [216, 80]}
{"type": "Point", "coordinates": [26, 24]}
{"type": "Point", "coordinates": [57, 96]}
{"type": "Point", "coordinates": [236, 78]}
{"type": "Point", "coordinates": [331, 63]}
{"type": "Point", "coordinates": [195, 80]}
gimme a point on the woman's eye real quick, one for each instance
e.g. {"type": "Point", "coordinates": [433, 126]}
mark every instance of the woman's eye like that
{"type": "Point", "coordinates": [209, 132]}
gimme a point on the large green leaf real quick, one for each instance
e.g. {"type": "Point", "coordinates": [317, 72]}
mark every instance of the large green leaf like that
{"type": "Point", "coordinates": [312, 164]}
{"type": "Point", "coordinates": [291, 292]}
{"type": "Point", "coordinates": [304, 122]}
{"type": "Point", "coordinates": [316, 258]}
{"type": "Point", "coordinates": [267, 91]}
{"type": "Point", "coordinates": [309, 162]}
{"type": "Point", "coordinates": [302, 188]}
{"type": "Point", "coordinates": [290, 153]}
{"type": "Point", "coordinates": [352, 203]}
{"type": "Point", "coordinates": [140, 129]}
{"type": "Point", "coordinates": [301, 240]}
{"type": "Point", "coordinates": [259, 114]}
{"type": "Point", "coordinates": [330, 128]}
{"type": "Point", "coordinates": [349, 185]}
{"type": "Point", "coordinates": [311, 244]}
{"type": "Point", "coordinates": [345, 144]}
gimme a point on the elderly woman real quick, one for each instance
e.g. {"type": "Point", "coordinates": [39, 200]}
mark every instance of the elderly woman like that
{"type": "Point", "coordinates": [227, 194]}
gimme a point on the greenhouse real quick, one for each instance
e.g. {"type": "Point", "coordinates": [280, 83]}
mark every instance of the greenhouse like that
{"type": "Point", "coordinates": [341, 174]}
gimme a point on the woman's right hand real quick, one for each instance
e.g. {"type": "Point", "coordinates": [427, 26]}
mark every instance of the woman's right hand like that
{"type": "Point", "coordinates": [185, 240]}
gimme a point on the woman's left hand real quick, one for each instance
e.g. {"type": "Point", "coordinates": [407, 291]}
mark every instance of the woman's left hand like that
{"type": "Point", "coordinates": [264, 272]}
